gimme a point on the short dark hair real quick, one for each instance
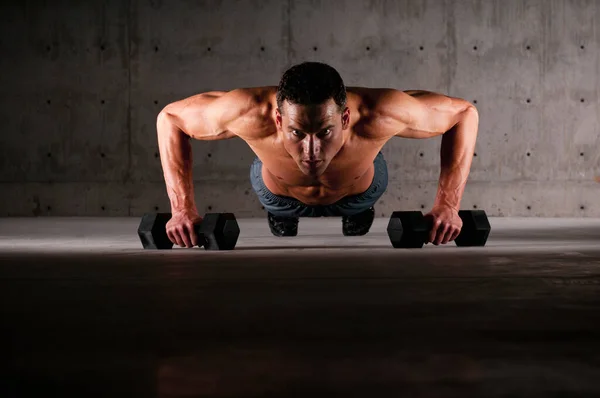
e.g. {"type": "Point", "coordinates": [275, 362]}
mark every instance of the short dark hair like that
{"type": "Point", "coordinates": [311, 83]}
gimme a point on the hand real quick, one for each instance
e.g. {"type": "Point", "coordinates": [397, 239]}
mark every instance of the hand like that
{"type": "Point", "coordinates": [445, 224]}
{"type": "Point", "coordinates": [180, 228]}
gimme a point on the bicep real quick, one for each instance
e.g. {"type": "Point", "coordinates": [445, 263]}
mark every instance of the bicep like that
{"type": "Point", "coordinates": [212, 115]}
{"type": "Point", "coordinates": [424, 114]}
{"type": "Point", "coordinates": [416, 113]}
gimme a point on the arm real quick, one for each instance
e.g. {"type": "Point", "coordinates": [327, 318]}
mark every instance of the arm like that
{"type": "Point", "coordinates": [457, 121]}
{"type": "Point", "coordinates": [421, 114]}
{"type": "Point", "coordinates": [207, 116]}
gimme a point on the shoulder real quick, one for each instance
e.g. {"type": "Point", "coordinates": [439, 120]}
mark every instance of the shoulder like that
{"type": "Point", "coordinates": [379, 112]}
{"type": "Point", "coordinates": [254, 100]}
{"type": "Point", "coordinates": [253, 111]}
{"type": "Point", "coordinates": [383, 102]}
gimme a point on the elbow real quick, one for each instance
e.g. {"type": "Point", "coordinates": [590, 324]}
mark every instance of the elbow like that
{"type": "Point", "coordinates": [165, 113]}
{"type": "Point", "coordinates": [470, 111]}
{"type": "Point", "coordinates": [165, 117]}
{"type": "Point", "coordinates": [470, 108]}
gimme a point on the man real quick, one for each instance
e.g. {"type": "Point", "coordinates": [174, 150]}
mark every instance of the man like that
{"type": "Point", "coordinates": [318, 148]}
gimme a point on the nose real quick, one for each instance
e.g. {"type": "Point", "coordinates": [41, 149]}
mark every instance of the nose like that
{"type": "Point", "coordinates": [312, 147]}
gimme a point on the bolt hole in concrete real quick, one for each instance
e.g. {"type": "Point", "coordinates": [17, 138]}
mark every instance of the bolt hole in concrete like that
{"type": "Point", "coordinates": [582, 47]}
{"type": "Point", "coordinates": [315, 48]}
{"type": "Point", "coordinates": [421, 154]}
{"type": "Point", "coordinates": [528, 153]}
{"type": "Point", "coordinates": [209, 207]}
{"type": "Point", "coordinates": [103, 208]}
{"type": "Point", "coordinates": [528, 47]}
{"type": "Point", "coordinates": [49, 155]}
{"type": "Point", "coordinates": [474, 101]}
{"type": "Point", "coordinates": [262, 49]}
{"type": "Point", "coordinates": [582, 100]}
{"type": "Point", "coordinates": [580, 153]}
{"type": "Point", "coordinates": [155, 208]}
{"type": "Point", "coordinates": [421, 48]}
{"type": "Point", "coordinates": [209, 49]}
{"type": "Point", "coordinates": [102, 102]}
{"type": "Point", "coordinates": [582, 207]}
{"type": "Point", "coordinates": [48, 102]}
{"type": "Point", "coordinates": [475, 154]}
{"type": "Point", "coordinates": [155, 102]}
{"type": "Point", "coordinates": [528, 100]}
{"type": "Point", "coordinates": [209, 155]}
{"type": "Point", "coordinates": [49, 208]}
{"type": "Point", "coordinates": [102, 155]}
{"type": "Point", "coordinates": [156, 155]}
{"type": "Point", "coordinates": [528, 207]}
{"type": "Point", "coordinates": [368, 48]}
{"type": "Point", "coordinates": [474, 206]}
{"type": "Point", "coordinates": [475, 48]}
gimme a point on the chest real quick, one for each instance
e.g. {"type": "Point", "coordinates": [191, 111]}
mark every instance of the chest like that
{"type": "Point", "coordinates": [346, 168]}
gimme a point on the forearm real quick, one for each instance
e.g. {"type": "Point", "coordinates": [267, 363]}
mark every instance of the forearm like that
{"type": "Point", "coordinates": [176, 160]}
{"type": "Point", "coordinates": [456, 155]}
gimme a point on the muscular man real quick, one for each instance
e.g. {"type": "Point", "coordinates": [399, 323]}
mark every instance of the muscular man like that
{"type": "Point", "coordinates": [318, 148]}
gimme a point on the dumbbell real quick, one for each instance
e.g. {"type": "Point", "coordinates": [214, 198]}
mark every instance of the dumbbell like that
{"type": "Point", "coordinates": [217, 231]}
{"type": "Point", "coordinates": [409, 229]}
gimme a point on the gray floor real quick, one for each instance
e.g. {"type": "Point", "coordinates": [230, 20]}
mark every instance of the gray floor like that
{"type": "Point", "coordinates": [86, 312]}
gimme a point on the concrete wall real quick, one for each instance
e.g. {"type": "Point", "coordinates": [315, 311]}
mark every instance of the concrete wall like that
{"type": "Point", "coordinates": [81, 84]}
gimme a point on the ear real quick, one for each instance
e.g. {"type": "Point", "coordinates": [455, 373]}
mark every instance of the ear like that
{"type": "Point", "coordinates": [278, 120]}
{"type": "Point", "coordinates": [345, 118]}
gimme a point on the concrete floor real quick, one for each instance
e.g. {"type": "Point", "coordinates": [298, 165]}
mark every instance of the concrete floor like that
{"type": "Point", "coordinates": [86, 312]}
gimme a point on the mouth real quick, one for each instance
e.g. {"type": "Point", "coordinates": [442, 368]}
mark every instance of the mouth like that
{"type": "Point", "coordinates": [312, 163]}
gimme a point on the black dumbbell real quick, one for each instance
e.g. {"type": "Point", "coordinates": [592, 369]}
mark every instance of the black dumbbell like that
{"type": "Point", "coordinates": [217, 231]}
{"type": "Point", "coordinates": [409, 229]}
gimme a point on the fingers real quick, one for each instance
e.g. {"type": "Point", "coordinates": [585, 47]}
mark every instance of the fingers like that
{"type": "Point", "coordinates": [447, 235]}
{"type": "Point", "coordinates": [442, 233]}
{"type": "Point", "coordinates": [183, 235]}
{"type": "Point", "coordinates": [455, 234]}
{"type": "Point", "coordinates": [192, 235]}
{"type": "Point", "coordinates": [174, 237]}
{"type": "Point", "coordinates": [433, 233]}
{"type": "Point", "coordinates": [442, 228]}
{"type": "Point", "coordinates": [450, 234]}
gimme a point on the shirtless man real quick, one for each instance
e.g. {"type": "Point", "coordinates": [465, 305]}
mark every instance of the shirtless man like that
{"type": "Point", "coordinates": [318, 148]}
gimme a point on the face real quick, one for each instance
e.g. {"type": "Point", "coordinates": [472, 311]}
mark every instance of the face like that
{"type": "Point", "coordinates": [312, 134]}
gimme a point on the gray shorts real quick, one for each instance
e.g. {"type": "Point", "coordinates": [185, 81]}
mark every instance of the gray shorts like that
{"type": "Point", "coordinates": [285, 206]}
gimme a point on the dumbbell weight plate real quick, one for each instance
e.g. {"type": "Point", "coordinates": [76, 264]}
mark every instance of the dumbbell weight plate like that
{"type": "Point", "coordinates": [476, 228]}
{"type": "Point", "coordinates": [152, 231]}
{"type": "Point", "coordinates": [407, 229]}
{"type": "Point", "coordinates": [220, 231]}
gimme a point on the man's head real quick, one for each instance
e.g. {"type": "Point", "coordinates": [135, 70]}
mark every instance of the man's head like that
{"type": "Point", "coordinates": [311, 114]}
